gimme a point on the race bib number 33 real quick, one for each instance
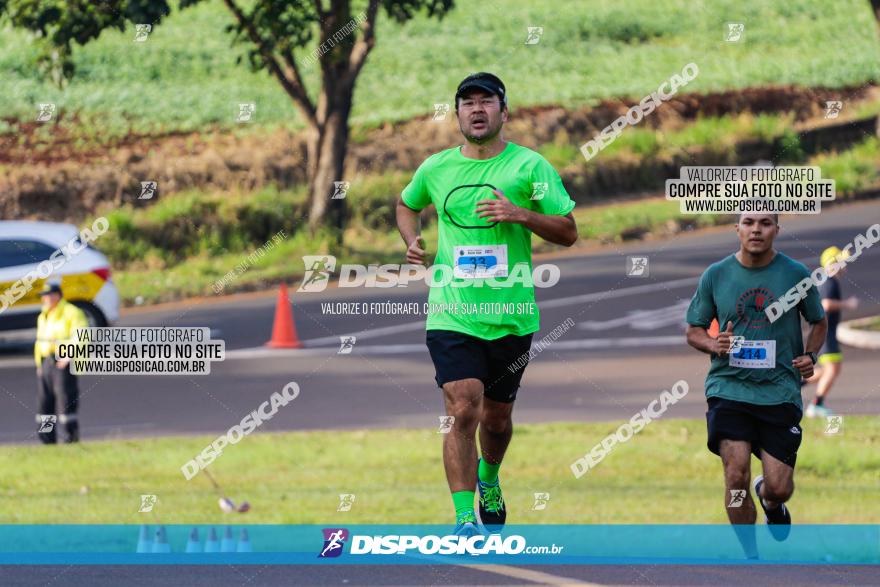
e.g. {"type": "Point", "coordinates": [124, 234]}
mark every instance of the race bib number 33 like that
{"type": "Point", "coordinates": [755, 354]}
{"type": "Point", "coordinates": [480, 261]}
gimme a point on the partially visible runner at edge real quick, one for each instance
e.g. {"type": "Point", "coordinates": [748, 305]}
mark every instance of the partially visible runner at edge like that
{"type": "Point", "coordinates": [830, 355]}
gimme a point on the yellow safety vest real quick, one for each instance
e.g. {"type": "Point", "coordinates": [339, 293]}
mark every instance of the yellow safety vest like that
{"type": "Point", "coordinates": [56, 327]}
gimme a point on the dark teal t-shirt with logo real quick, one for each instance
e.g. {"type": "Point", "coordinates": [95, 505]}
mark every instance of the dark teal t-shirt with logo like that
{"type": "Point", "coordinates": [761, 373]}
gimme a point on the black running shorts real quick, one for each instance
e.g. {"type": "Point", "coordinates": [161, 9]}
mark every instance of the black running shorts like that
{"type": "Point", "coordinates": [775, 429]}
{"type": "Point", "coordinates": [498, 363]}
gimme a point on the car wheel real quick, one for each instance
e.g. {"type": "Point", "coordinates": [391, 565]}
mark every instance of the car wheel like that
{"type": "Point", "coordinates": [93, 314]}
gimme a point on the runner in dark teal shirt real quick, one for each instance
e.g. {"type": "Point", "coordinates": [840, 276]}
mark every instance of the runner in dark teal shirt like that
{"type": "Point", "coordinates": [753, 385]}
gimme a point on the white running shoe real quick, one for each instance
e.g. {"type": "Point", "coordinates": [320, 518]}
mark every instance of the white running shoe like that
{"type": "Point", "coordinates": [814, 411]}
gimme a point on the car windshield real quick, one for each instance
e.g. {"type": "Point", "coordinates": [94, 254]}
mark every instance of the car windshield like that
{"type": "Point", "coordinates": [14, 252]}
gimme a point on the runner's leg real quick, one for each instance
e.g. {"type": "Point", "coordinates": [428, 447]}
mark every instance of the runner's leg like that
{"type": "Point", "coordinates": [463, 400]}
{"type": "Point", "coordinates": [830, 373]}
{"type": "Point", "coordinates": [778, 485]}
{"type": "Point", "coordinates": [735, 458]}
{"type": "Point", "coordinates": [496, 430]}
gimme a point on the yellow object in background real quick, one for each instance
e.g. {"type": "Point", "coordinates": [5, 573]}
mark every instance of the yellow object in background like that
{"type": "Point", "coordinates": [55, 327]}
{"type": "Point", "coordinates": [79, 286]}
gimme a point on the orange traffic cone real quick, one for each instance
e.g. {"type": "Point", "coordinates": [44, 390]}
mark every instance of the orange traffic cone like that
{"type": "Point", "coordinates": [713, 329]}
{"type": "Point", "coordinates": [284, 330]}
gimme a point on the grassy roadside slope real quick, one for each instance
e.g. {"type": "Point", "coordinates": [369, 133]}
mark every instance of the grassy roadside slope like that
{"type": "Point", "coordinates": [665, 474]}
{"type": "Point", "coordinates": [184, 244]}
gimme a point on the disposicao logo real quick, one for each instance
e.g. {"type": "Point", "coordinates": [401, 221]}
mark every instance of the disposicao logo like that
{"type": "Point", "coordinates": [334, 540]}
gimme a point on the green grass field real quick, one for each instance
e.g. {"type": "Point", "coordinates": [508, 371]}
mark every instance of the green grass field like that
{"type": "Point", "coordinates": [185, 78]}
{"type": "Point", "coordinates": [663, 475]}
{"type": "Point", "coordinates": [872, 324]}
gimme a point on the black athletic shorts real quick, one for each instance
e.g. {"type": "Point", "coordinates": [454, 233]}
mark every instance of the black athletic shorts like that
{"type": "Point", "coordinates": [498, 363]}
{"type": "Point", "coordinates": [830, 346]}
{"type": "Point", "coordinates": [776, 429]}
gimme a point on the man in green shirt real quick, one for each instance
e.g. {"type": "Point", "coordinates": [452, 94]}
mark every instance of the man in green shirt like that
{"type": "Point", "coordinates": [490, 196]}
{"type": "Point", "coordinates": [753, 385]}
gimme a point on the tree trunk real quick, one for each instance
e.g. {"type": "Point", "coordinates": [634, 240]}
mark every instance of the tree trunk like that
{"type": "Point", "coordinates": [875, 4]}
{"type": "Point", "coordinates": [327, 140]}
{"type": "Point", "coordinates": [327, 148]}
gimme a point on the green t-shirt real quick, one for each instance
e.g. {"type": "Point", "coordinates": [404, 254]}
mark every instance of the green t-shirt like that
{"type": "Point", "coordinates": [479, 254]}
{"type": "Point", "coordinates": [731, 292]}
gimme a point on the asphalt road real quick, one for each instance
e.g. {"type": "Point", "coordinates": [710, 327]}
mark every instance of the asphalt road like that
{"type": "Point", "coordinates": [446, 575]}
{"type": "Point", "coordinates": [626, 347]}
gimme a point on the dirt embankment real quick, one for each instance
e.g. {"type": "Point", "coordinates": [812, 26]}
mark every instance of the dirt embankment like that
{"type": "Point", "coordinates": [59, 180]}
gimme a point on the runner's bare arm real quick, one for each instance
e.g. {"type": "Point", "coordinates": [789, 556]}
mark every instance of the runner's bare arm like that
{"type": "Point", "coordinates": [816, 336]}
{"type": "Point", "coordinates": [408, 225]}
{"type": "Point", "coordinates": [698, 337]}
{"type": "Point", "coordinates": [830, 305]}
{"type": "Point", "coordinates": [560, 230]}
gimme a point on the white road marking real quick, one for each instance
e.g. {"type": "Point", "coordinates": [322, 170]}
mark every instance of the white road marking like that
{"type": "Point", "coordinates": [528, 575]}
{"type": "Point", "coordinates": [555, 303]}
{"type": "Point", "coordinates": [643, 319]}
{"type": "Point", "coordinates": [622, 342]}
{"type": "Point", "coordinates": [371, 333]}
{"type": "Point", "coordinates": [18, 362]}
{"type": "Point", "coordinates": [619, 293]}
{"type": "Point", "coordinates": [398, 349]}
{"type": "Point", "coordinates": [313, 347]}
{"type": "Point", "coordinates": [520, 573]}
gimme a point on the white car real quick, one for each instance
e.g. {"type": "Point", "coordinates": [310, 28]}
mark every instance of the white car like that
{"type": "Point", "coordinates": [83, 272]}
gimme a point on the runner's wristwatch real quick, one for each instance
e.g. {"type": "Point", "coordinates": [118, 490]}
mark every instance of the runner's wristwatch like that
{"type": "Point", "coordinates": [812, 356]}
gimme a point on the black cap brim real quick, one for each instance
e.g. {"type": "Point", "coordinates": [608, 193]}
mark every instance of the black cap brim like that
{"type": "Point", "coordinates": [50, 290]}
{"type": "Point", "coordinates": [479, 85]}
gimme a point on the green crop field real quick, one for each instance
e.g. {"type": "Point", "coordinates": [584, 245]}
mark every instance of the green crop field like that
{"type": "Point", "coordinates": [185, 76]}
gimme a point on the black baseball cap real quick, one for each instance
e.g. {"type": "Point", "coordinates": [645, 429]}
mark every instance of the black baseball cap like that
{"type": "Point", "coordinates": [50, 288]}
{"type": "Point", "coordinates": [482, 81]}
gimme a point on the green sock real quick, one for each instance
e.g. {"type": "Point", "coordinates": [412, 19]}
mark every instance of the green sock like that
{"type": "Point", "coordinates": [488, 473]}
{"type": "Point", "coordinates": [464, 503]}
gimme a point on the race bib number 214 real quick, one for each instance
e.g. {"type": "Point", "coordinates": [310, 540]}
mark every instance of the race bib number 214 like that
{"type": "Point", "coordinates": [754, 354]}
